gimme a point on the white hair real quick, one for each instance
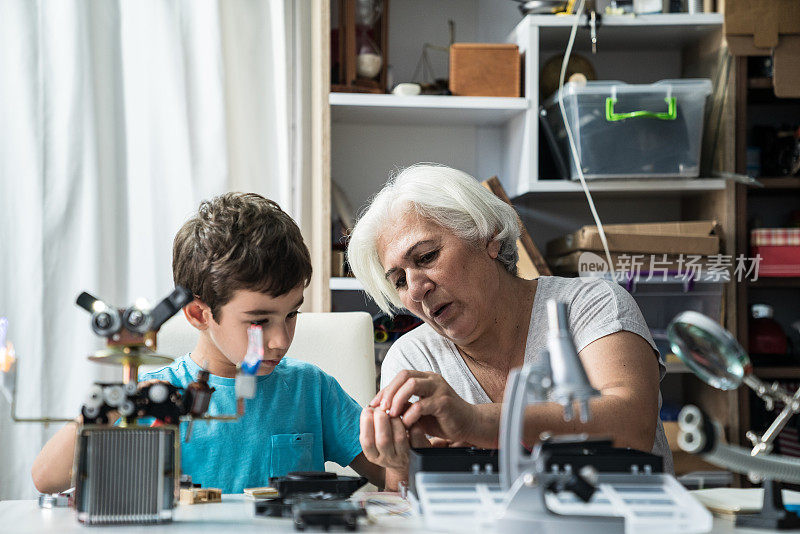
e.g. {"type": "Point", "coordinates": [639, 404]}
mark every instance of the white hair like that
{"type": "Point", "coordinates": [450, 198]}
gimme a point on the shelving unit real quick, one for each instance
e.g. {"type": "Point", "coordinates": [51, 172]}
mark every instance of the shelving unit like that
{"type": "Point", "coordinates": [664, 37]}
{"type": "Point", "coordinates": [371, 136]}
{"type": "Point", "coordinates": [772, 199]}
{"type": "Point", "coordinates": [639, 187]}
{"type": "Point", "coordinates": [422, 110]}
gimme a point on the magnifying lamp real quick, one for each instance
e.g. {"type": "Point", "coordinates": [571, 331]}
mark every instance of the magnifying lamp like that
{"type": "Point", "coordinates": [712, 353]}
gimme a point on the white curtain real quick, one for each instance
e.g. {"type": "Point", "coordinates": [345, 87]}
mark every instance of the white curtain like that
{"type": "Point", "coordinates": [116, 119]}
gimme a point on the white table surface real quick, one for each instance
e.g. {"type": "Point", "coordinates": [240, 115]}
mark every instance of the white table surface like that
{"type": "Point", "coordinates": [233, 514]}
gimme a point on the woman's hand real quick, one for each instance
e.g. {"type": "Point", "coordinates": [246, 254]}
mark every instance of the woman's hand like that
{"type": "Point", "coordinates": [439, 411]}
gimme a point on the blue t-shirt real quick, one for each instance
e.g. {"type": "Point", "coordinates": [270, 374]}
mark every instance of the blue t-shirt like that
{"type": "Point", "coordinates": [299, 418]}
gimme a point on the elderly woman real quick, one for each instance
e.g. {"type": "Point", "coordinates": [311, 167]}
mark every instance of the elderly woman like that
{"type": "Point", "coordinates": [438, 244]}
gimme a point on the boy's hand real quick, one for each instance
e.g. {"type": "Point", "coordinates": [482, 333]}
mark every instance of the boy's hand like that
{"type": "Point", "coordinates": [385, 440]}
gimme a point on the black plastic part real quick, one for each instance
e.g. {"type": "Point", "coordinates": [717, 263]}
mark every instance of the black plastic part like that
{"type": "Point", "coordinates": [274, 507]}
{"type": "Point", "coordinates": [310, 475]}
{"type": "Point", "coordinates": [104, 323]}
{"type": "Point", "coordinates": [449, 460]}
{"type": "Point", "coordinates": [710, 432]}
{"type": "Point", "coordinates": [576, 484]}
{"type": "Point", "coordinates": [599, 454]}
{"type": "Point", "coordinates": [86, 301]}
{"type": "Point", "coordinates": [168, 307]}
{"type": "Point", "coordinates": [168, 411]}
{"type": "Point", "coordinates": [282, 507]}
{"type": "Point", "coordinates": [773, 514]}
{"type": "Point", "coordinates": [326, 514]}
{"type": "Point", "coordinates": [137, 325]}
{"type": "Point", "coordinates": [315, 482]}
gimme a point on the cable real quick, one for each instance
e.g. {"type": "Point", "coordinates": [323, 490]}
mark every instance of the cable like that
{"type": "Point", "coordinates": [573, 150]}
{"type": "Point", "coordinates": [702, 436]}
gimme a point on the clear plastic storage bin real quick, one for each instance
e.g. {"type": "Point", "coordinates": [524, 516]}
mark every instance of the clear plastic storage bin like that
{"type": "Point", "coordinates": [661, 300]}
{"type": "Point", "coordinates": [629, 131]}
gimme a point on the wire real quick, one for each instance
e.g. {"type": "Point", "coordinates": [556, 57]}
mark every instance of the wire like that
{"type": "Point", "coordinates": [573, 150]}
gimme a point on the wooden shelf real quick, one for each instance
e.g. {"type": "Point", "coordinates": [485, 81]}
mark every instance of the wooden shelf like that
{"type": "Point", "coordinates": [778, 183]}
{"type": "Point", "coordinates": [777, 373]}
{"type": "Point", "coordinates": [759, 83]}
{"type": "Point", "coordinates": [424, 110]}
{"type": "Point", "coordinates": [633, 186]}
{"type": "Point", "coordinates": [628, 32]}
{"type": "Point", "coordinates": [677, 368]}
{"type": "Point", "coordinates": [774, 282]}
{"type": "Point", "coordinates": [345, 283]}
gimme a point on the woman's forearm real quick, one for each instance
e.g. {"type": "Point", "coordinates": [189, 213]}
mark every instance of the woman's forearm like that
{"type": "Point", "coordinates": [625, 422]}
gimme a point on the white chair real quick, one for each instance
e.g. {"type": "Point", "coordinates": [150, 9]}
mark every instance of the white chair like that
{"type": "Point", "coordinates": [341, 344]}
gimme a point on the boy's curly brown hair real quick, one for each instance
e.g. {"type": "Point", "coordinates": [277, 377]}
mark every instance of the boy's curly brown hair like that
{"type": "Point", "coordinates": [239, 241]}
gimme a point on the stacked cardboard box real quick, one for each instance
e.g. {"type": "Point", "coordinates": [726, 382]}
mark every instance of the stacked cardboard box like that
{"type": "Point", "coordinates": [670, 245]}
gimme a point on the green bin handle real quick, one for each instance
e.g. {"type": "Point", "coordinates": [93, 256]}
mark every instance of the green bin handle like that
{"type": "Point", "coordinates": [668, 115]}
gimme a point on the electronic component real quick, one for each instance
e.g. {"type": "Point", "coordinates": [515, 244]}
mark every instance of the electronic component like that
{"type": "Point", "coordinates": [326, 514]}
{"type": "Point", "coordinates": [573, 453]}
{"type": "Point", "coordinates": [267, 492]}
{"type": "Point", "coordinates": [55, 500]}
{"type": "Point", "coordinates": [125, 475]}
{"type": "Point", "coordinates": [307, 482]}
{"type": "Point", "coordinates": [281, 507]}
{"type": "Point", "coordinates": [200, 495]}
{"type": "Point", "coordinates": [298, 486]}
{"type": "Point", "coordinates": [450, 460]}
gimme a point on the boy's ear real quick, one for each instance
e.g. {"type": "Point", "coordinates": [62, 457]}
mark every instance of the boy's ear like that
{"type": "Point", "coordinates": [198, 314]}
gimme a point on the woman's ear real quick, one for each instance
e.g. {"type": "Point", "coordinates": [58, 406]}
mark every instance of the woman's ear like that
{"type": "Point", "coordinates": [198, 314]}
{"type": "Point", "coordinates": [494, 248]}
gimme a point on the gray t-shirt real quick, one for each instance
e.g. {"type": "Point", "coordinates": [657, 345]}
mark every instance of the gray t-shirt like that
{"type": "Point", "coordinates": [596, 309]}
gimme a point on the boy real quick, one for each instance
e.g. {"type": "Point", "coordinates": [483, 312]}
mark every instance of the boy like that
{"type": "Point", "coordinates": [245, 261]}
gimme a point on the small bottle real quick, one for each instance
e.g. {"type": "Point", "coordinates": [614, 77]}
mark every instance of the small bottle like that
{"type": "Point", "coordinates": [766, 335]}
{"type": "Point", "coordinates": [620, 7]}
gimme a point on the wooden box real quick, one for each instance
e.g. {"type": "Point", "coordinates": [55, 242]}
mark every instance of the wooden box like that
{"type": "Point", "coordinates": [483, 69]}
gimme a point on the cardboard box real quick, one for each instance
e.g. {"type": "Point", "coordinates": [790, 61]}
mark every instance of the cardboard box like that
{"type": "Point", "coordinates": [571, 263]}
{"type": "Point", "coordinates": [694, 237]}
{"type": "Point", "coordinates": [671, 430]}
{"type": "Point", "coordinates": [768, 27]}
{"type": "Point", "coordinates": [483, 69]}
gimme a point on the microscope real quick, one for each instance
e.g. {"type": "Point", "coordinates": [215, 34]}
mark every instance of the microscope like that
{"type": "Point", "coordinates": [563, 484]}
